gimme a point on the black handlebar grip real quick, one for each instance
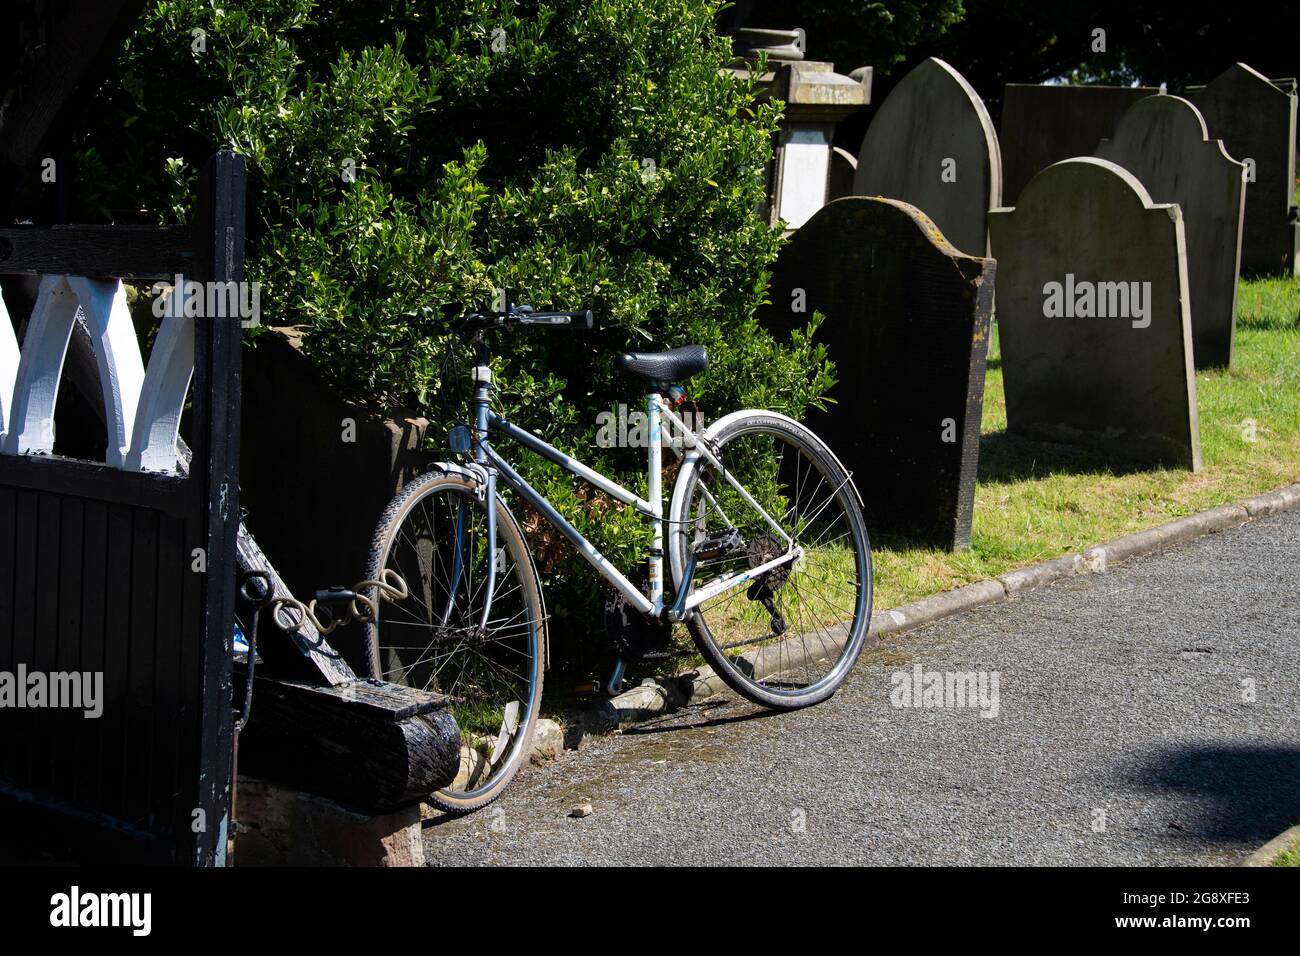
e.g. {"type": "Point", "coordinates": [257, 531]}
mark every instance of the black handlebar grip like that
{"type": "Point", "coordinates": [583, 320]}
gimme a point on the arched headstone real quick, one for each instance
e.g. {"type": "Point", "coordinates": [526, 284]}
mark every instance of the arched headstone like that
{"type": "Point", "coordinates": [933, 145]}
{"type": "Point", "coordinates": [1044, 124]}
{"type": "Point", "coordinates": [1257, 123]}
{"type": "Point", "coordinates": [844, 166]}
{"type": "Point", "coordinates": [1162, 140]}
{"type": "Point", "coordinates": [1092, 316]}
{"type": "Point", "coordinates": [907, 326]}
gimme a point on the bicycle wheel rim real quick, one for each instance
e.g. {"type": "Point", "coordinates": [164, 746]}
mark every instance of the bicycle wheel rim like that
{"type": "Point", "coordinates": [824, 627]}
{"type": "Point", "coordinates": [432, 639]}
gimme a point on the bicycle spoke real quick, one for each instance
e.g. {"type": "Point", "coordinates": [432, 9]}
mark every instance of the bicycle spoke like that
{"type": "Point", "coordinates": [436, 639]}
{"type": "Point", "coordinates": [795, 622]}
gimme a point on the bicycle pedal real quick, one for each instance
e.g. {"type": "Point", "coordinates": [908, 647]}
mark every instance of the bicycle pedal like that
{"type": "Point", "coordinates": [717, 544]}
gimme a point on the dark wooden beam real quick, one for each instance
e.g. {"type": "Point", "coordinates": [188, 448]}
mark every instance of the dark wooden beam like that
{"type": "Point", "coordinates": [369, 745]}
{"type": "Point", "coordinates": [219, 228]}
{"type": "Point", "coordinates": [124, 252]}
{"type": "Point", "coordinates": [89, 479]}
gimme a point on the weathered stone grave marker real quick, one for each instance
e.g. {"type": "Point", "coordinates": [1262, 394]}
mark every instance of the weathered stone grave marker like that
{"type": "Point", "coordinates": [1162, 140]}
{"type": "Point", "coordinates": [1093, 316]}
{"type": "Point", "coordinates": [933, 145]}
{"type": "Point", "coordinates": [1042, 125]}
{"type": "Point", "coordinates": [1257, 122]}
{"type": "Point", "coordinates": [907, 325]}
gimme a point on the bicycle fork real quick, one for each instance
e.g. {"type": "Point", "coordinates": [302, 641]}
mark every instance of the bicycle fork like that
{"type": "Point", "coordinates": [482, 379]}
{"type": "Point", "coordinates": [461, 547]}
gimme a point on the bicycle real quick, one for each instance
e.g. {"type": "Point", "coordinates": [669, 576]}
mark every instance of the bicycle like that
{"type": "Point", "coordinates": [774, 587]}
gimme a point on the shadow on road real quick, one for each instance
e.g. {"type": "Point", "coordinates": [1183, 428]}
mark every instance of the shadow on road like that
{"type": "Point", "coordinates": [1248, 793]}
{"type": "Point", "coordinates": [705, 716]}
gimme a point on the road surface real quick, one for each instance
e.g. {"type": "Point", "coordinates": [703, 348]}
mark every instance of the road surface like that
{"type": "Point", "coordinates": [1149, 715]}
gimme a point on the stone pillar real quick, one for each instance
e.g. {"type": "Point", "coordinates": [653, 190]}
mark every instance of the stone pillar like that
{"type": "Point", "coordinates": [816, 98]}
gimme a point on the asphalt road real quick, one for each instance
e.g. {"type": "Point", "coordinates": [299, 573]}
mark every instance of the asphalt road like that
{"type": "Point", "coordinates": [1124, 734]}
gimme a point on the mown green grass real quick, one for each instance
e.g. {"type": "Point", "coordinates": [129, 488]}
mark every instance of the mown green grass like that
{"type": "Point", "coordinates": [1036, 501]}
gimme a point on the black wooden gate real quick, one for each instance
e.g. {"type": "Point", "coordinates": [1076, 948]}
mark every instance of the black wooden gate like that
{"type": "Point", "coordinates": [130, 574]}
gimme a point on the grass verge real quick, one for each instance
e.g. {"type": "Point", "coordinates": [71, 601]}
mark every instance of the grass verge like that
{"type": "Point", "coordinates": [1035, 501]}
{"type": "Point", "coordinates": [1289, 857]}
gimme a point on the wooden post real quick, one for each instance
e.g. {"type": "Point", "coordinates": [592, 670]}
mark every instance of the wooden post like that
{"type": "Point", "coordinates": [219, 231]}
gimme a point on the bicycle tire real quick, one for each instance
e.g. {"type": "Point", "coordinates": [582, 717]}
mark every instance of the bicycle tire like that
{"type": "Point", "coordinates": [509, 537]}
{"type": "Point", "coordinates": [751, 422]}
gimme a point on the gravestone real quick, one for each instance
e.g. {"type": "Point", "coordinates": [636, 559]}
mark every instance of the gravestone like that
{"type": "Point", "coordinates": [933, 145]}
{"type": "Point", "coordinates": [1093, 316]}
{"type": "Point", "coordinates": [907, 325]}
{"type": "Point", "coordinates": [1162, 140]}
{"type": "Point", "coordinates": [844, 166]}
{"type": "Point", "coordinates": [1257, 122]}
{"type": "Point", "coordinates": [1042, 125]}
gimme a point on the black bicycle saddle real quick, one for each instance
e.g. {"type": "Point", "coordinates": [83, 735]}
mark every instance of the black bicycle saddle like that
{"type": "Point", "coordinates": [670, 366]}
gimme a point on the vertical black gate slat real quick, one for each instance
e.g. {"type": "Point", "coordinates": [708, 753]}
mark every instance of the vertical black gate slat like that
{"type": "Point", "coordinates": [117, 670]}
{"type": "Point", "coordinates": [8, 593]}
{"type": "Point", "coordinates": [69, 654]}
{"type": "Point", "coordinates": [144, 595]}
{"type": "Point", "coordinates": [185, 735]}
{"type": "Point", "coordinates": [173, 571]}
{"type": "Point", "coordinates": [47, 624]}
{"type": "Point", "coordinates": [24, 642]}
{"type": "Point", "coordinates": [94, 577]}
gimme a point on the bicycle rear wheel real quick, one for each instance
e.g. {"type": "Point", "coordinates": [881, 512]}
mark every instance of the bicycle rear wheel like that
{"type": "Point", "coordinates": [434, 534]}
{"type": "Point", "coordinates": [790, 636]}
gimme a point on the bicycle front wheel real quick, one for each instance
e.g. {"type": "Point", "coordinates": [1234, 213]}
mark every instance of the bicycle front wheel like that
{"type": "Point", "coordinates": [789, 636]}
{"type": "Point", "coordinates": [434, 535]}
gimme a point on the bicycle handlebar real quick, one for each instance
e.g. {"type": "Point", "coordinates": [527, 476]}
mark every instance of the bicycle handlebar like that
{"type": "Point", "coordinates": [582, 320]}
{"type": "Point", "coordinates": [524, 315]}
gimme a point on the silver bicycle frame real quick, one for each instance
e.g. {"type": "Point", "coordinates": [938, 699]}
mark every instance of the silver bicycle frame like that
{"type": "Point", "coordinates": [656, 410]}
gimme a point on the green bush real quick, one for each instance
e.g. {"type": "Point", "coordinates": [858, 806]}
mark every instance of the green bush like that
{"type": "Point", "coordinates": [579, 154]}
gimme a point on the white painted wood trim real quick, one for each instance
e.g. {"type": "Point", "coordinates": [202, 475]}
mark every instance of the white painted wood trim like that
{"type": "Point", "coordinates": [36, 387]}
{"type": "Point", "coordinates": [9, 358]}
{"type": "Point", "coordinates": [117, 353]}
{"type": "Point", "coordinates": [166, 382]}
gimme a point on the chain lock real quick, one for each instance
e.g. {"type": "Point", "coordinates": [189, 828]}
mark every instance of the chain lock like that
{"type": "Point", "coordinates": [289, 613]}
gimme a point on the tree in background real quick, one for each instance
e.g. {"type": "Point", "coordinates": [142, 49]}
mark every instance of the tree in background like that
{"type": "Point", "coordinates": [854, 33]}
{"type": "Point", "coordinates": [995, 42]}
{"type": "Point", "coordinates": [1147, 42]}
{"type": "Point", "coordinates": [406, 154]}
